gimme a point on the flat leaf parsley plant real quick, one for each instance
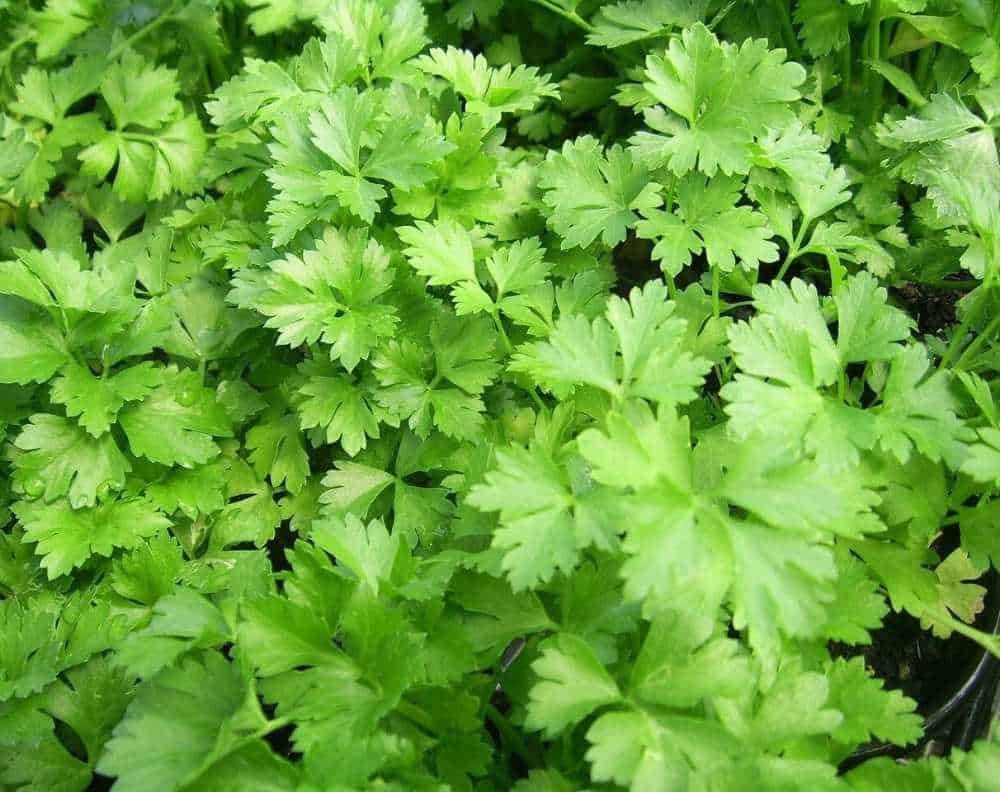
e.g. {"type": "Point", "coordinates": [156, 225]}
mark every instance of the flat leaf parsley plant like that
{"type": "Point", "coordinates": [534, 395]}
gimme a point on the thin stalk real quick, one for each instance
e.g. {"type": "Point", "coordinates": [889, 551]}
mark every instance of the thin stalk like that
{"type": "Point", "coordinates": [504, 338]}
{"type": "Point", "coordinates": [671, 286]}
{"type": "Point", "coordinates": [8, 52]}
{"type": "Point", "coordinates": [418, 716]}
{"type": "Point", "coordinates": [979, 341]}
{"type": "Point", "coordinates": [716, 287]}
{"type": "Point", "coordinates": [873, 79]}
{"type": "Point", "coordinates": [536, 398]}
{"type": "Point", "coordinates": [141, 33]}
{"type": "Point", "coordinates": [922, 73]}
{"type": "Point", "coordinates": [511, 739]}
{"type": "Point", "coordinates": [988, 642]}
{"type": "Point", "coordinates": [954, 519]}
{"type": "Point", "coordinates": [565, 13]}
{"type": "Point", "coordinates": [837, 273]}
{"type": "Point", "coordinates": [787, 30]}
{"type": "Point", "coordinates": [847, 66]}
{"type": "Point", "coordinates": [796, 249]}
{"type": "Point", "coordinates": [959, 335]}
{"type": "Point", "coordinates": [966, 285]}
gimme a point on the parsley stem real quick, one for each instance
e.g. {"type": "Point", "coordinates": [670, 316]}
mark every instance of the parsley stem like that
{"type": "Point", "coordinates": [567, 14]}
{"type": "Point", "coordinates": [141, 33]}
{"type": "Point", "coordinates": [418, 716]}
{"type": "Point", "coordinates": [958, 337]}
{"type": "Point", "coordinates": [716, 287]}
{"type": "Point", "coordinates": [8, 52]}
{"type": "Point", "coordinates": [796, 248]}
{"type": "Point", "coordinates": [671, 286]}
{"type": "Point", "coordinates": [511, 739]}
{"type": "Point", "coordinates": [977, 343]}
{"type": "Point", "coordinates": [504, 338]}
{"type": "Point", "coordinates": [873, 80]}
{"type": "Point", "coordinates": [536, 398]}
{"type": "Point", "coordinates": [962, 285]}
{"type": "Point", "coordinates": [940, 615]}
{"type": "Point", "coordinates": [923, 71]}
{"type": "Point", "coordinates": [787, 29]}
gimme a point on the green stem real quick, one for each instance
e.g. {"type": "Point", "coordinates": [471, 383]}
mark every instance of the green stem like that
{"type": "Point", "coordinates": [8, 52]}
{"type": "Point", "coordinates": [966, 285]}
{"type": "Point", "coordinates": [873, 79]}
{"type": "Point", "coordinates": [787, 29]}
{"type": "Point", "coordinates": [141, 33]}
{"type": "Point", "coordinates": [979, 341]}
{"type": "Point", "coordinates": [925, 58]}
{"type": "Point", "coordinates": [988, 642]}
{"type": "Point", "coordinates": [847, 67]}
{"type": "Point", "coordinates": [511, 739]}
{"type": "Point", "coordinates": [716, 287]}
{"type": "Point", "coordinates": [837, 273]}
{"type": "Point", "coordinates": [418, 716]}
{"type": "Point", "coordinates": [796, 249]}
{"type": "Point", "coordinates": [504, 338]}
{"type": "Point", "coordinates": [955, 519]}
{"type": "Point", "coordinates": [565, 13]}
{"type": "Point", "coordinates": [959, 335]}
{"type": "Point", "coordinates": [536, 398]}
{"type": "Point", "coordinates": [274, 725]}
{"type": "Point", "coordinates": [140, 137]}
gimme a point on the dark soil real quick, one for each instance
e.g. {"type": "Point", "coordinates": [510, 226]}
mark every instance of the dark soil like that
{"type": "Point", "coordinates": [932, 308]}
{"type": "Point", "coordinates": [908, 658]}
{"type": "Point", "coordinates": [634, 264]}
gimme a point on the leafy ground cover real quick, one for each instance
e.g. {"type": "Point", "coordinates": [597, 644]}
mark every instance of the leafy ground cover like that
{"type": "Point", "coordinates": [347, 345]}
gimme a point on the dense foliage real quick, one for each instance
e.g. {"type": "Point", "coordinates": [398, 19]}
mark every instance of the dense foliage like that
{"type": "Point", "coordinates": [490, 394]}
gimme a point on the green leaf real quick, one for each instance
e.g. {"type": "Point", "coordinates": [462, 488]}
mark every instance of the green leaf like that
{"type": "Point", "coordinates": [95, 401]}
{"type": "Point", "coordinates": [441, 252]}
{"type": "Point", "coordinates": [593, 193]}
{"type": "Point", "coordinates": [488, 92]}
{"type": "Point", "coordinates": [918, 411]}
{"type": "Point", "coordinates": [66, 538]}
{"type": "Point", "coordinates": [64, 460]}
{"type": "Point", "coordinates": [635, 350]}
{"type": "Point", "coordinates": [573, 684]}
{"type": "Point", "coordinates": [983, 461]}
{"type": "Point", "coordinates": [340, 410]}
{"type": "Point", "coordinates": [182, 621]}
{"type": "Point", "coordinates": [900, 80]}
{"type": "Point", "coordinates": [368, 551]}
{"type": "Point", "coordinates": [707, 218]}
{"type": "Point", "coordinates": [540, 530]}
{"type": "Point", "coordinates": [176, 424]}
{"type": "Point", "coordinates": [31, 348]}
{"type": "Point", "coordinates": [330, 294]}
{"type": "Point", "coordinates": [400, 149]}
{"type": "Point", "coordinates": [782, 584]}
{"type": "Point", "coordinates": [280, 636]}
{"type": "Point", "coordinates": [277, 451]}
{"type": "Point", "coordinates": [182, 722]}
{"type": "Point", "coordinates": [722, 96]}
{"type": "Point", "coordinates": [638, 20]}
{"type": "Point", "coordinates": [868, 710]}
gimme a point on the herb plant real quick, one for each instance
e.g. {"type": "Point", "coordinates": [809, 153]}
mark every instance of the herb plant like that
{"type": "Point", "coordinates": [491, 394]}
